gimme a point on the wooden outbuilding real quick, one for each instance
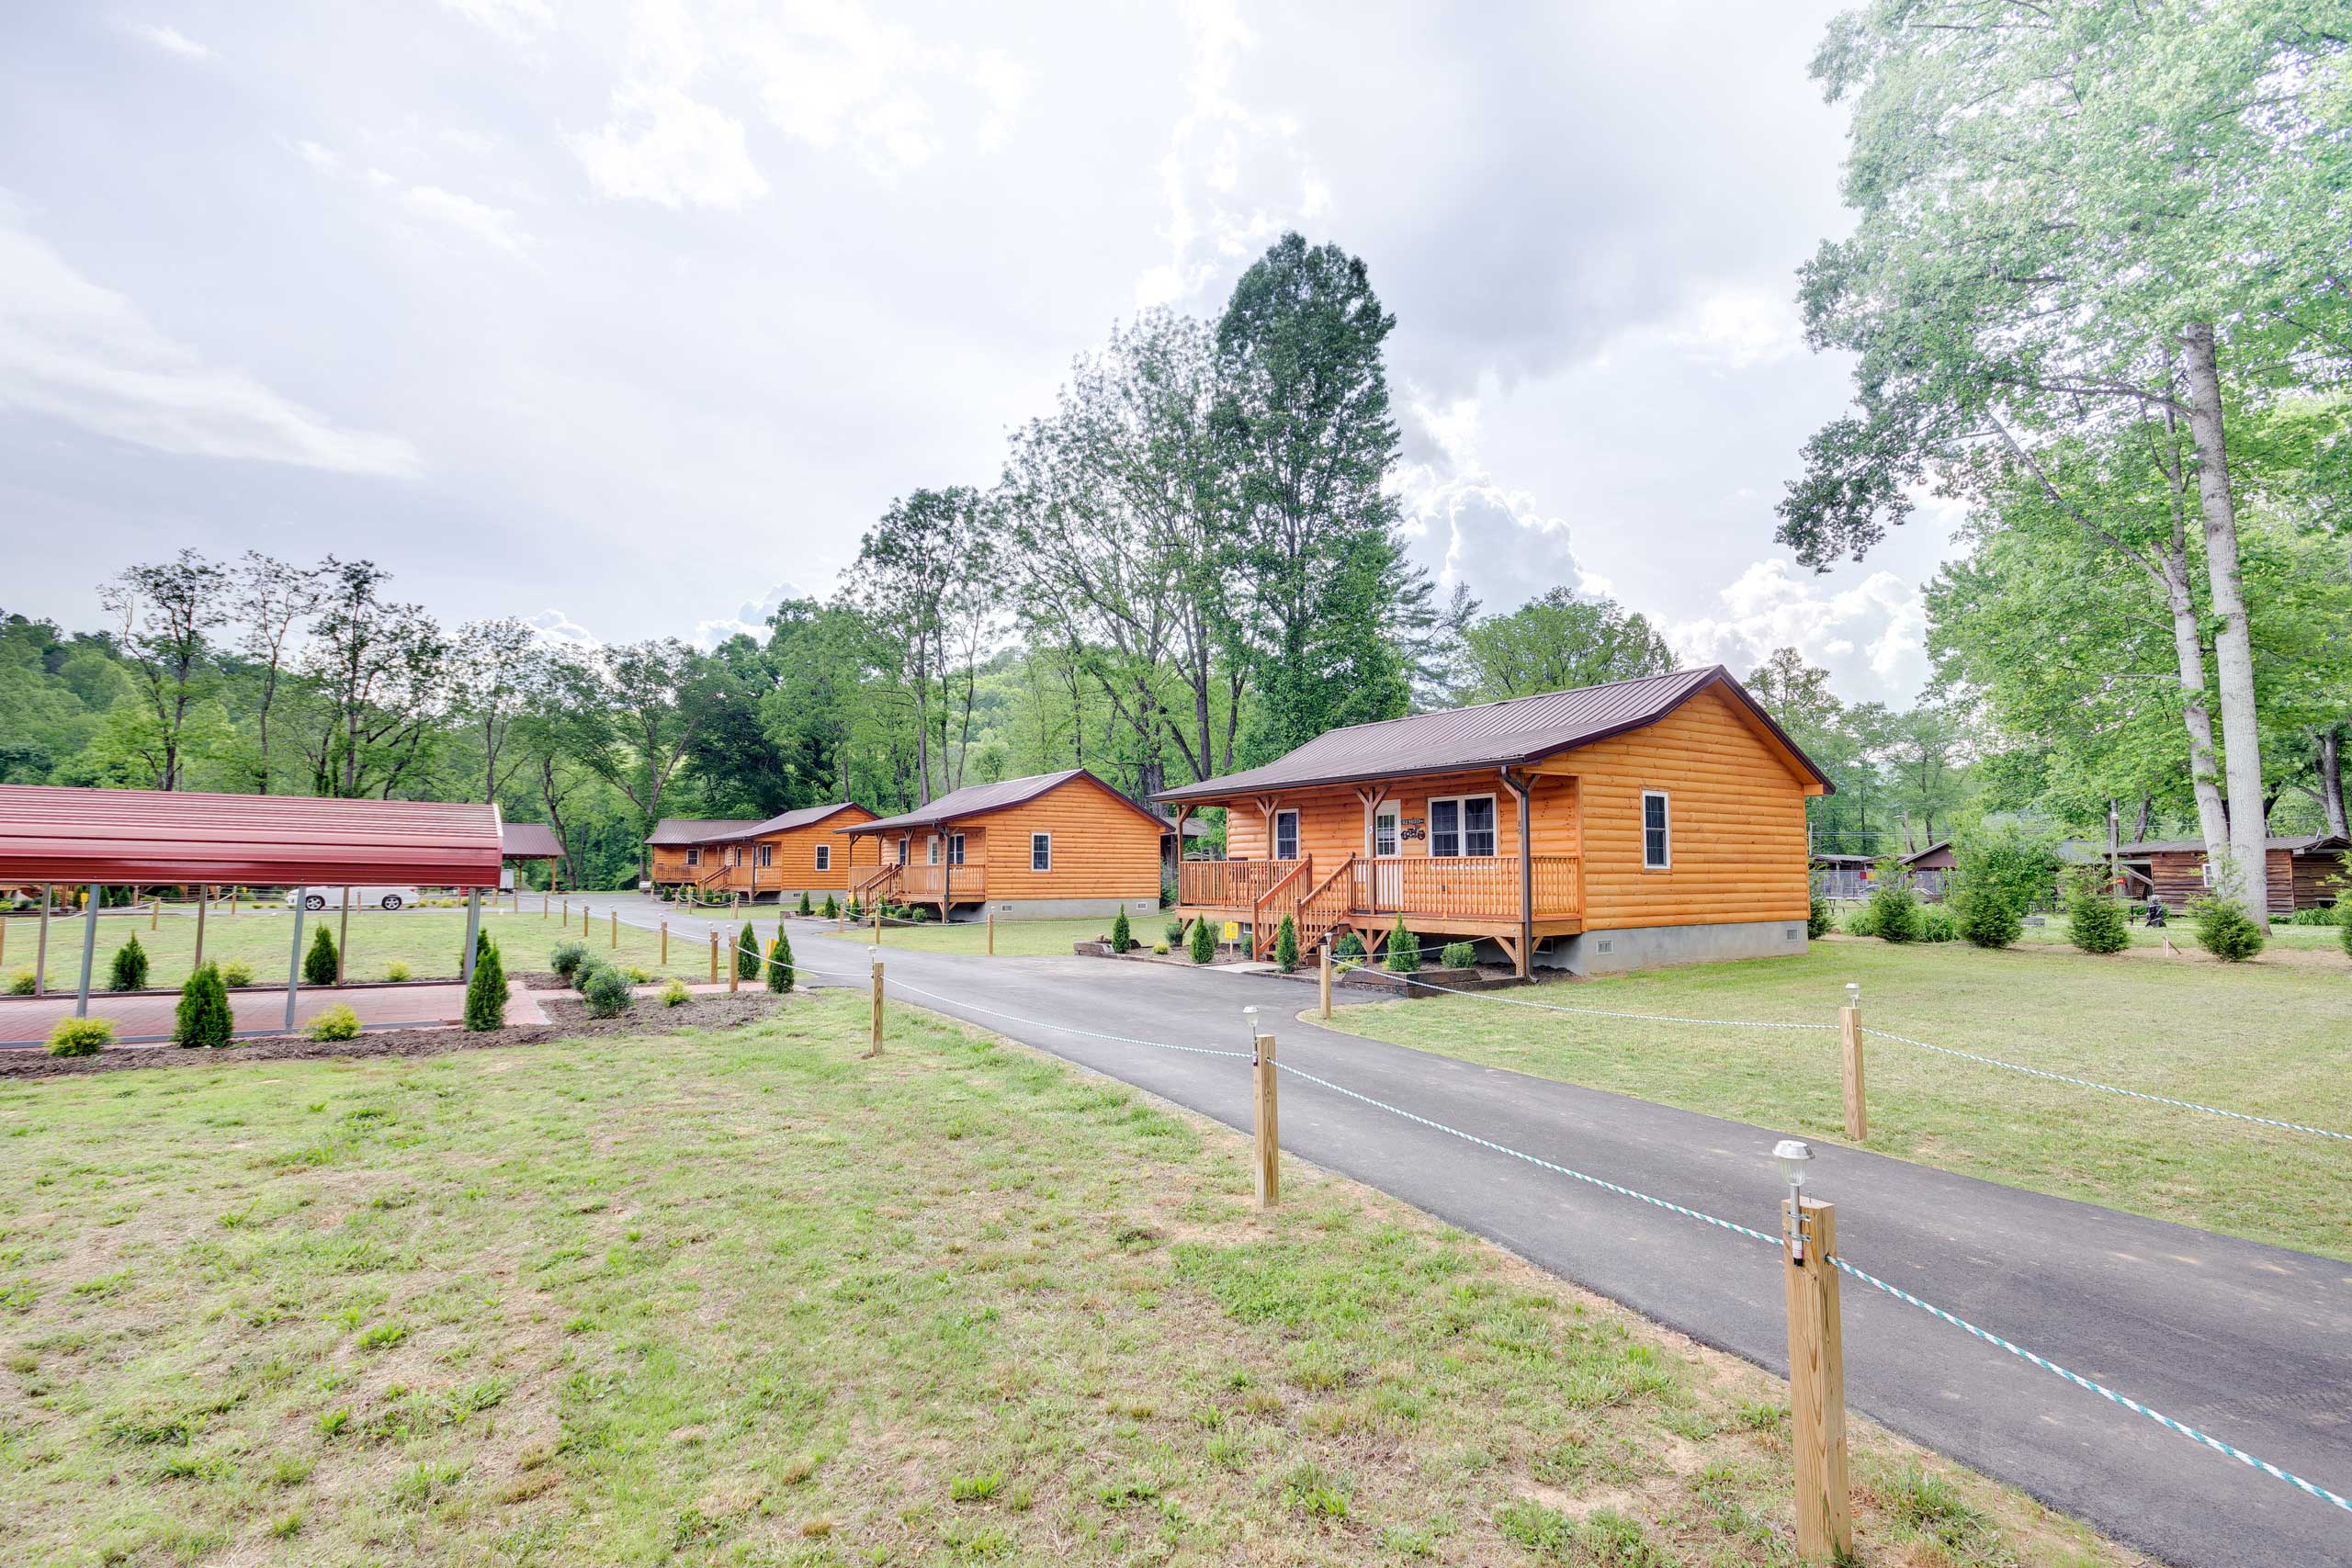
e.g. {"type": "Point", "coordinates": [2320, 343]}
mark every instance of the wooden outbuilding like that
{"type": "Point", "coordinates": [683, 849]}
{"type": "Point", "coordinates": [2298, 873]}
{"type": "Point", "coordinates": [792, 852]}
{"type": "Point", "coordinates": [1036, 848]}
{"type": "Point", "coordinates": [1654, 820]}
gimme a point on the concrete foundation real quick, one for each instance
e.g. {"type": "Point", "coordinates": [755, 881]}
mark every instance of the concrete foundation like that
{"type": "Point", "coordinates": [1060, 908]}
{"type": "Point", "coordinates": [1655, 947]}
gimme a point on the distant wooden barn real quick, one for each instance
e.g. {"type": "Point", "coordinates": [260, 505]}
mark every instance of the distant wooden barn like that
{"type": "Point", "coordinates": [2298, 873]}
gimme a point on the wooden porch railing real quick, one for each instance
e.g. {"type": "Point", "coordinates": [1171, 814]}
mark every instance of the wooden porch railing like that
{"type": "Point", "coordinates": [1266, 911]}
{"type": "Point", "coordinates": [879, 883]}
{"type": "Point", "coordinates": [924, 883]}
{"type": "Point", "coordinates": [1326, 905]}
{"type": "Point", "coordinates": [1468, 887]}
{"type": "Point", "coordinates": [1229, 884]}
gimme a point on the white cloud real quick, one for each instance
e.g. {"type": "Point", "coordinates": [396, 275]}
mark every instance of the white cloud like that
{"type": "Point", "coordinates": [1769, 606]}
{"type": "Point", "coordinates": [493, 226]}
{"type": "Point", "coordinates": [72, 349]}
{"type": "Point", "coordinates": [516, 21]}
{"type": "Point", "coordinates": [751, 617]}
{"type": "Point", "coordinates": [1738, 328]}
{"type": "Point", "coordinates": [1470, 529]}
{"type": "Point", "coordinates": [170, 39]}
{"type": "Point", "coordinates": [324, 159]}
{"type": "Point", "coordinates": [663, 144]}
{"type": "Point", "coordinates": [558, 630]}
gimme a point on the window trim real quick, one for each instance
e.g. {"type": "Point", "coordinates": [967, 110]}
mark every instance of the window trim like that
{"type": "Point", "coordinates": [1274, 846]}
{"type": "Point", "coordinates": [694, 854]}
{"type": "Point", "coordinates": [767, 855]}
{"type": "Point", "coordinates": [1394, 817]}
{"type": "Point", "coordinates": [824, 857]}
{"type": "Point", "coordinates": [930, 849]}
{"type": "Point", "coordinates": [1461, 804]}
{"type": "Point", "coordinates": [1045, 843]}
{"type": "Point", "coordinates": [904, 840]}
{"type": "Point", "coordinates": [955, 849]}
{"type": "Point", "coordinates": [1666, 829]}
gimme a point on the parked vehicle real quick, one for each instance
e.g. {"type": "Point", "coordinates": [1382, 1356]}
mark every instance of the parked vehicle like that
{"type": "Point", "coordinates": [361, 898]}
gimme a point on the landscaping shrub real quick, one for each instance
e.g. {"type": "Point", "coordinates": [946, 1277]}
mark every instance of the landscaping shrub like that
{"type": "Point", "coordinates": [1459, 956]}
{"type": "Point", "coordinates": [832, 910]}
{"type": "Point", "coordinates": [2094, 921]}
{"type": "Point", "coordinates": [398, 969]}
{"type": "Point", "coordinates": [1160, 948]}
{"type": "Point", "coordinates": [1862, 922]}
{"type": "Point", "coordinates": [1204, 946]}
{"type": "Point", "coordinates": [805, 908]}
{"type": "Point", "coordinates": [747, 953]}
{"type": "Point", "coordinates": [917, 915]}
{"type": "Point", "coordinates": [130, 970]}
{"type": "Point", "coordinates": [589, 971]}
{"type": "Point", "coordinates": [319, 963]}
{"type": "Point", "coordinates": [2226, 930]}
{"type": "Point", "coordinates": [1175, 930]}
{"type": "Point", "coordinates": [1987, 918]}
{"type": "Point", "coordinates": [236, 973]}
{"type": "Point", "coordinates": [1402, 955]}
{"type": "Point", "coordinates": [1286, 946]}
{"type": "Point", "coordinates": [1937, 925]}
{"type": "Point", "coordinates": [1349, 949]}
{"type": "Point", "coordinates": [2010, 860]}
{"type": "Point", "coordinates": [2344, 932]}
{"type": "Point", "coordinates": [567, 959]}
{"type": "Point", "coordinates": [338, 1022]}
{"type": "Point", "coordinates": [486, 992]}
{"type": "Point", "coordinates": [675, 995]}
{"type": "Point", "coordinates": [607, 993]}
{"type": "Point", "coordinates": [856, 913]}
{"type": "Point", "coordinates": [1893, 908]}
{"type": "Point", "coordinates": [1819, 917]}
{"type": "Point", "coordinates": [204, 1018]}
{"type": "Point", "coordinates": [80, 1036]}
{"type": "Point", "coordinates": [780, 975]}
{"type": "Point", "coordinates": [23, 983]}
{"type": "Point", "coordinates": [2318, 915]}
{"type": "Point", "coordinates": [639, 975]}
{"type": "Point", "coordinates": [1123, 936]}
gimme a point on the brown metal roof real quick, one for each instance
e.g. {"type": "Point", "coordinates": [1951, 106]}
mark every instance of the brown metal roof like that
{"type": "Point", "coordinates": [802, 816]}
{"type": "Point", "coordinates": [2308, 843]}
{"type": "Point", "coordinates": [974, 799]}
{"type": "Point", "coordinates": [529, 840]}
{"type": "Point", "coordinates": [1510, 733]}
{"type": "Point", "coordinates": [50, 834]}
{"type": "Point", "coordinates": [697, 829]}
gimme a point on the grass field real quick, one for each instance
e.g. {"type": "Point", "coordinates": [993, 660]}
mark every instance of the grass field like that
{"type": "Point", "coordinates": [2269, 1041]}
{"type": "Point", "coordinates": [746, 1299]}
{"type": "Point", "coordinates": [427, 940]}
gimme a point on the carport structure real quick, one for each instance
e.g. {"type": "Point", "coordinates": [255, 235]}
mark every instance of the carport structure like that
{"type": "Point", "coordinates": [99, 838]}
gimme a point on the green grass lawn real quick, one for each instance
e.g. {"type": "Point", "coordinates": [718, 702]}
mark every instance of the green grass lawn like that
{"type": "Point", "coordinates": [2284, 938]}
{"type": "Point", "coordinates": [2269, 1041]}
{"type": "Point", "coordinates": [1014, 938]}
{"type": "Point", "coordinates": [428, 941]}
{"type": "Point", "coordinates": [747, 1299]}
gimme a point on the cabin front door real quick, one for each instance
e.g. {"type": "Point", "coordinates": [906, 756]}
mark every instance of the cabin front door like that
{"type": "Point", "coordinates": [1387, 871]}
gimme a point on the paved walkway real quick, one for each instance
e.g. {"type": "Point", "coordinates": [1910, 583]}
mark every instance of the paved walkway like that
{"type": "Point", "coordinates": [137, 1018]}
{"type": "Point", "coordinates": [2248, 1342]}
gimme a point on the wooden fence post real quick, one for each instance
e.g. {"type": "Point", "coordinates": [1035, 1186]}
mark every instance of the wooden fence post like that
{"type": "Point", "coordinates": [877, 925]}
{"type": "Point", "coordinates": [665, 944]}
{"type": "Point", "coordinates": [616, 929]}
{"type": "Point", "coordinates": [1269, 1146]}
{"type": "Point", "coordinates": [567, 914]}
{"type": "Point", "coordinates": [875, 1048]}
{"type": "Point", "coordinates": [1849, 1039]}
{"type": "Point", "coordinates": [1816, 1381]}
{"type": "Point", "coordinates": [155, 913]}
{"type": "Point", "coordinates": [714, 958]}
{"type": "Point", "coordinates": [734, 963]}
{"type": "Point", "coordinates": [992, 933]}
{"type": "Point", "coordinates": [545, 901]}
{"type": "Point", "coordinates": [1323, 974]}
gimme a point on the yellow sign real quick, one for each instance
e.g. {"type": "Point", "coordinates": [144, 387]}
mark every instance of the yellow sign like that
{"type": "Point", "coordinates": [1233, 931]}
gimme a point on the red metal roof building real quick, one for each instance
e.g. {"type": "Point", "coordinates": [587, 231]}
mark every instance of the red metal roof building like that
{"type": "Point", "coordinates": [164, 838]}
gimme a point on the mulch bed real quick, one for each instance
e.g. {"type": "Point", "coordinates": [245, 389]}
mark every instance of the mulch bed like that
{"type": "Point", "coordinates": [569, 1017]}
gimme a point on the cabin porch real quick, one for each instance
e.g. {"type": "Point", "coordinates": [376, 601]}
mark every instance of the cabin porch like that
{"type": "Point", "coordinates": [1465, 897]}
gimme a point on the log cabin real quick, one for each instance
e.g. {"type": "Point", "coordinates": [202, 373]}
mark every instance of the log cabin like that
{"type": "Point", "coordinates": [2299, 872]}
{"type": "Point", "coordinates": [1647, 822]}
{"type": "Point", "coordinates": [1051, 845]}
{"type": "Point", "coordinates": [794, 853]}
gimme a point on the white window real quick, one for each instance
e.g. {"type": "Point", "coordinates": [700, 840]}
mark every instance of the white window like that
{"type": "Point", "coordinates": [1041, 851]}
{"type": "Point", "coordinates": [824, 857]}
{"type": "Point", "coordinates": [733, 855]}
{"type": "Point", "coordinates": [767, 855]}
{"type": "Point", "coordinates": [902, 851]}
{"type": "Point", "coordinates": [1657, 840]}
{"type": "Point", "coordinates": [930, 849]}
{"type": "Point", "coordinates": [1462, 826]}
{"type": "Point", "coordinates": [694, 856]}
{"type": "Point", "coordinates": [1384, 831]}
{"type": "Point", "coordinates": [955, 849]}
{"type": "Point", "coordinates": [1285, 835]}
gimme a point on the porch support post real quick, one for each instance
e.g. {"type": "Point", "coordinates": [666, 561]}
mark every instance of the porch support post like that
{"type": "Point", "coordinates": [1522, 787]}
{"type": "Point", "coordinates": [89, 951]}
{"type": "Point", "coordinates": [947, 869]}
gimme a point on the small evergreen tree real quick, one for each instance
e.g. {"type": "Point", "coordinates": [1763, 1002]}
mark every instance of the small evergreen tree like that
{"type": "Point", "coordinates": [1204, 946]}
{"type": "Point", "coordinates": [1986, 917]}
{"type": "Point", "coordinates": [2344, 925]}
{"type": "Point", "coordinates": [1123, 935]}
{"type": "Point", "coordinates": [780, 963]}
{"type": "Point", "coordinates": [130, 970]}
{"type": "Point", "coordinates": [2226, 930]}
{"type": "Point", "coordinates": [1286, 946]}
{"type": "Point", "coordinates": [855, 912]}
{"type": "Point", "coordinates": [1402, 955]}
{"type": "Point", "coordinates": [2094, 921]}
{"type": "Point", "coordinates": [1819, 917]}
{"type": "Point", "coordinates": [832, 910]}
{"type": "Point", "coordinates": [607, 993]}
{"type": "Point", "coordinates": [319, 963]}
{"type": "Point", "coordinates": [567, 958]}
{"type": "Point", "coordinates": [1893, 908]}
{"type": "Point", "coordinates": [747, 953]}
{"type": "Point", "coordinates": [486, 992]}
{"type": "Point", "coordinates": [804, 902]}
{"type": "Point", "coordinates": [1349, 949]}
{"type": "Point", "coordinates": [204, 1018]}
{"type": "Point", "coordinates": [1460, 955]}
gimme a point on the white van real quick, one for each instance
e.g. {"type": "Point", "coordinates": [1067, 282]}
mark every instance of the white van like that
{"type": "Point", "coordinates": [361, 898]}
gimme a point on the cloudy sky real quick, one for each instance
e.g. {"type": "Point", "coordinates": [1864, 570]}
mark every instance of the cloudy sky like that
{"type": "Point", "coordinates": [629, 315]}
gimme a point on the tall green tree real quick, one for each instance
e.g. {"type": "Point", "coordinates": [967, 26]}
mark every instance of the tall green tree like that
{"type": "Point", "coordinates": [1557, 640]}
{"type": "Point", "coordinates": [168, 612]}
{"type": "Point", "coordinates": [2074, 218]}
{"type": "Point", "coordinates": [928, 575]}
{"type": "Point", "coordinates": [632, 714]}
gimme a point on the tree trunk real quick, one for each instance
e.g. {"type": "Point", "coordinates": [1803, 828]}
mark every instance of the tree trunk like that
{"type": "Point", "coordinates": [2188, 653]}
{"type": "Point", "coordinates": [2233, 645]}
{"type": "Point", "coordinates": [2331, 779]}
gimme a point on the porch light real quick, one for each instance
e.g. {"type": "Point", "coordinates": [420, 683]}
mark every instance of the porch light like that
{"type": "Point", "coordinates": [1794, 1154]}
{"type": "Point", "coordinates": [1251, 1014]}
{"type": "Point", "coordinates": [1854, 993]}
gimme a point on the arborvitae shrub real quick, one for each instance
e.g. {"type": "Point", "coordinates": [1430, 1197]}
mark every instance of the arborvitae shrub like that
{"type": "Point", "coordinates": [1287, 945]}
{"type": "Point", "coordinates": [1402, 954]}
{"type": "Point", "coordinates": [832, 910]}
{"type": "Point", "coordinates": [747, 953]}
{"type": "Point", "coordinates": [1349, 949]}
{"type": "Point", "coordinates": [780, 963]}
{"type": "Point", "coordinates": [318, 964]}
{"type": "Point", "coordinates": [2226, 930]}
{"type": "Point", "coordinates": [607, 993]}
{"type": "Point", "coordinates": [1987, 918]}
{"type": "Point", "coordinates": [1204, 946]}
{"type": "Point", "coordinates": [1819, 917]}
{"type": "Point", "coordinates": [338, 1022]}
{"type": "Point", "coordinates": [1894, 910]}
{"type": "Point", "coordinates": [130, 970]}
{"type": "Point", "coordinates": [2094, 921]}
{"type": "Point", "coordinates": [486, 992]}
{"type": "Point", "coordinates": [1459, 956]}
{"type": "Point", "coordinates": [80, 1036]}
{"type": "Point", "coordinates": [1175, 930]}
{"type": "Point", "coordinates": [805, 908]}
{"type": "Point", "coordinates": [204, 1018]}
{"type": "Point", "coordinates": [2343, 927]}
{"type": "Point", "coordinates": [1123, 936]}
{"type": "Point", "coordinates": [856, 912]}
{"type": "Point", "coordinates": [1937, 925]}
